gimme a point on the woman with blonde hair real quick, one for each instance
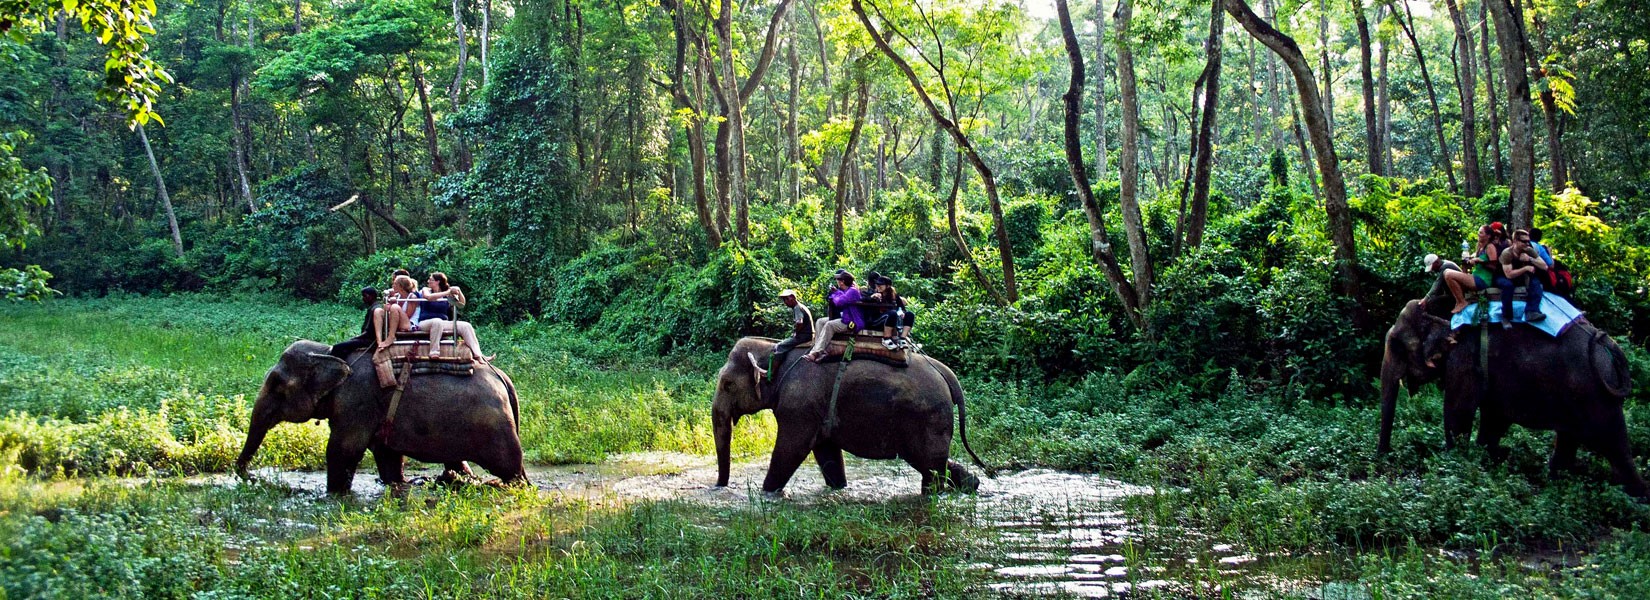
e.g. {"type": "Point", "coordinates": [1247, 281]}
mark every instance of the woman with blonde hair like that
{"type": "Point", "coordinates": [394, 315]}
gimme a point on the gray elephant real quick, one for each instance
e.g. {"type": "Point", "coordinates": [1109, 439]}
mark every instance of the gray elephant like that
{"type": "Point", "coordinates": [885, 412]}
{"type": "Point", "coordinates": [1573, 385]}
{"type": "Point", "coordinates": [442, 419]}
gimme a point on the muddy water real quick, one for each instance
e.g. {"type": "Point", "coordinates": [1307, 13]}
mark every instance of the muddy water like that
{"type": "Point", "coordinates": [1056, 534]}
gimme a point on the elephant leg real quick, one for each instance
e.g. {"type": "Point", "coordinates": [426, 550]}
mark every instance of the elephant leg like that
{"type": "Point", "coordinates": [1457, 424]}
{"type": "Point", "coordinates": [391, 466]}
{"type": "Point", "coordinates": [458, 468]}
{"type": "Point", "coordinates": [343, 456]}
{"type": "Point", "coordinates": [1491, 428]}
{"type": "Point", "coordinates": [933, 472]}
{"type": "Point", "coordinates": [1563, 459]}
{"type": "Point", "coordinates": [788, 454]}
{"type": "Point", "coordinates": [505, 462]}
{"type": "Point", "coordinates": [1611, 443]}
{"type": "Point", "coordinates": [961, 479]}
{"type": "Point", "coordinates": [829, 456]}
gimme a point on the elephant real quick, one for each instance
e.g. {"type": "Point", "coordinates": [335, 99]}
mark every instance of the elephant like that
{"type": "Point", "coordinates": [1573, 384]}
{"type": "Point", "coordinates": [443, 419]}
{"type": "Point", "coordinates": [885, 412]}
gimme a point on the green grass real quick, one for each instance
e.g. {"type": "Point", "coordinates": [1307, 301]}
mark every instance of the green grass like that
{"type": "Point", "coordinates": [160, 387]}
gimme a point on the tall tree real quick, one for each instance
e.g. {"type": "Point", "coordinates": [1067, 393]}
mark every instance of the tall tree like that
{"type": "Point", "coordinates": [1335, 203]}
{"type": "Point", "coordinates": [1514, 73]}
{"type": "Point", "coordinates": [988, 179]}
{"type": "Point", "coordinates": [1467, 88]}
{"type": "Point", "coordinates": [160, 190]}
{"type": "Point", "coordinates": [1372, 130]}
{"type": "Point", "coordinates": [1204, 168]}
{"type": "Point", "coordinates": [1129, 158]}
{"type": "Point", "coordinates": [862, 95]}
{"type": "Point", "coordinates": [1102, 162]}
{"type": "Point", "coordinates": [1496, 155]}
{"type": "Point", "coordinates": [1444, 156]}
{"type": "Point", "coordinates": [1099, 239]}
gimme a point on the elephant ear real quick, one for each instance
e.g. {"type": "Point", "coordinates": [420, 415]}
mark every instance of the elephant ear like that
{"type": "Point", "coordinates": [321, 374]}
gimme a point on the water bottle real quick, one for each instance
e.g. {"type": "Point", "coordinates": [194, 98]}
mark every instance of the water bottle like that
{"type": "Point", "coordinates": [1465, 251]}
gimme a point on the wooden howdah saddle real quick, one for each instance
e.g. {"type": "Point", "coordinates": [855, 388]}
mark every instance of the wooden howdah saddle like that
{"type": "Point", "coordinates": [413, 348]}
{"type": "Point", "coordinates": [867, 345]}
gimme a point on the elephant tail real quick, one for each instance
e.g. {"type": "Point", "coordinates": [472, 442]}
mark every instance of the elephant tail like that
{"type": "Point", "coordinates": [962, 420]}
{"type": "Point", "coordinates": [1617, 379]}
{"type": "Point", "coordinates": [515, 403]}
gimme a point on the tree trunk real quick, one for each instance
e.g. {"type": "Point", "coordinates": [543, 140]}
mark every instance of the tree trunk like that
{"type": "Point", "coordinates": [1467, 78]}
{"type": "Point", "coordinates": [238, 138]}
{"type": "Point", "coordinates": [160, 188]}
{"type": "Point", "coordinates": [1102, 163]}
{"type": "Point", "coordinates": [486, 40]}
{"type": "Point", "coordinates": [1206, 131]}
{"type": "Point", "coordinates": [1129, 161]}
{"type": "Point", "coordinates": [1100, 244]}
{"type": "Point", "coordinates": [1274, 95]}
{"type": "Point", "coordinates": [1494, 100]}
{"type": "Point", "coordinates": [696, 127]}
{"type": "Point", "coordinates": [1558, 169]}
{"type": "Point", "coordinates": [430, 139]}
{"type": "Point", "coordinates": [1521, 199]}
{"type": "Point", "coordinates": [793, 150]}
{"type": "Point", "coordinates": [1005, 250]}
{"type": "Point", "coordinates": [1306, 153]}
{"type": "Point", "coordinates": [1335, 204]}
{"type": "Point", "coordinates": [1383, 101]}
{"type": "Point", "coordinates": [297, 16]}
{"type": "Point", "coordinates": [862, 95]}
{"type": "Point", "coordinates": [1324, 69]}
{"type": "Point", "coordinates": [1445, 158]}
{"type": "Point", "coordinates": [730, 137]}
{"type": "Point", "coordinates": [1372, 130]}
{"type": "Point", "coordinates": [457, 90]}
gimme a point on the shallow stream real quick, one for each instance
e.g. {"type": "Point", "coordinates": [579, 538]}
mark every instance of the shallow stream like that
{"type": "Point", "coordinates": [1056, 534]}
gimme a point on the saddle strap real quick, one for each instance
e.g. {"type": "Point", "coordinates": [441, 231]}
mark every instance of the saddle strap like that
{"type": "Point", "coordinates": [831, 420]}
{"type": "Point", "coordinates": [395, 403]}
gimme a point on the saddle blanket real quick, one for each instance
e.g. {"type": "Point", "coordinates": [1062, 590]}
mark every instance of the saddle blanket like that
{"type": "Point", "coordinates": [455, 359]}
{"type": "Point", "coordinates": [1560, 314]}
{"type": "Point", "coordinates": [420, 351]}
{"type": "Point", "coordinates": [865, 348]}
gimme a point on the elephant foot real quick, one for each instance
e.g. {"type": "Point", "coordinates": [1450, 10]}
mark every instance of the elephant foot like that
{"type": "Point", "coordinates": [450, 477]}
{"type": "Point", "coordinates": [775, 495]}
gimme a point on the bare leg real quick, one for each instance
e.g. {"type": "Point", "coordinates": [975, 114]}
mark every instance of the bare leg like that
{"type": "Point", "coordinates": [1458, 282]}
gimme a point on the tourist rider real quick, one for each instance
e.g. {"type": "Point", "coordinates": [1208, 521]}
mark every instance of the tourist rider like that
{"type": "Point", "coordinates": [393, 315]}
{"type": "Point", "coordinates": [1520, 265]}
{"type": "Point", "coordinates": [896, 321]}
{"type": "Point", "coordinates": [846, 299]}
{"type": "Point", "coordinates": [437, 316]}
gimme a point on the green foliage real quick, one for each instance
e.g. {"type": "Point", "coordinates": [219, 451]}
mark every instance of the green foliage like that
{"type": "Point", "coordinates": [130, 77]}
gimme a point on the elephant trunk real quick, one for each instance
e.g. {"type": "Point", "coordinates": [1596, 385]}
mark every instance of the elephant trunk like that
{"type": "Point", "coordinates": [723, 426]}
{"type": "Point", "coordinates": [254, 438]}
{"type": "Point", "coordinates": [1392, 370]}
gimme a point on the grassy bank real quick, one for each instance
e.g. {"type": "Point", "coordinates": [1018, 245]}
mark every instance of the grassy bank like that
{"type": "Point", "coordinates": [161, 386]}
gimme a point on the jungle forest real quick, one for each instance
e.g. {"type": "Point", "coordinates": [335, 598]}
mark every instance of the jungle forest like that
{"type": "Point", "coordinates": [1163, 263]}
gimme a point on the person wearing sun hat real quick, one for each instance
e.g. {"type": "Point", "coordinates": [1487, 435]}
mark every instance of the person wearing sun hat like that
{"type": "Point", "coordinates": [802, 327]}
{"type": "Point", "coordinates": [1451, 277]}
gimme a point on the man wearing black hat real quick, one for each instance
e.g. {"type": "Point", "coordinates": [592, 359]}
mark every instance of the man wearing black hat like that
{"type": "Point", "coordinates": [369, 297]}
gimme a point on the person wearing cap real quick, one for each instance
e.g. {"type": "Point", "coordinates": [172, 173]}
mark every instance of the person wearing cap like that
{"type": "Point", "coordinates": [845, 299]}
{"type": "Point", "coordinates": [1451, 278]}
{"type": "Point", "coordinates": [369, 297]}
{"type": "Point", "coordinates": [896, 322]}
{"type": "Point", "coordinates": [802, 328]}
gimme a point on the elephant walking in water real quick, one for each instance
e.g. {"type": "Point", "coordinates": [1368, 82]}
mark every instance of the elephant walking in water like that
{"type": "Point", "coordinates": [885, 412]}
{"type": "Point", "coordinates": [1573, 384]}
{"type": "Point", "coordinates": [444, 419]}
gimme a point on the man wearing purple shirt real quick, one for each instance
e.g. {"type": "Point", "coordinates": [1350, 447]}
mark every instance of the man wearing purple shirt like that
{"type": "Point", "coordinates": [846, 299]}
